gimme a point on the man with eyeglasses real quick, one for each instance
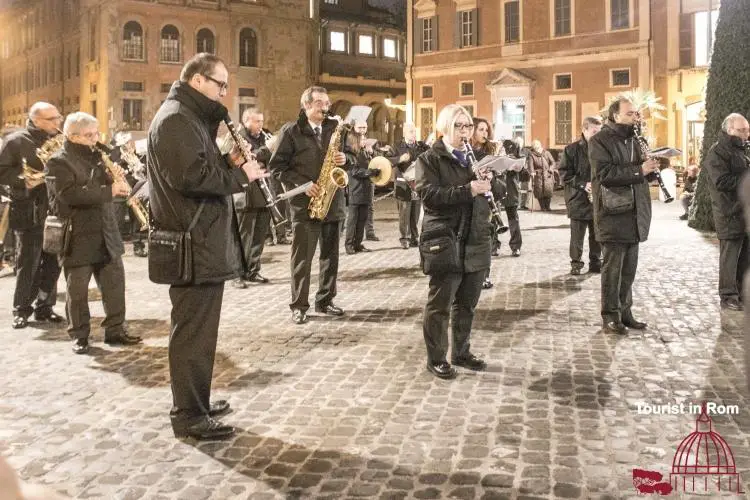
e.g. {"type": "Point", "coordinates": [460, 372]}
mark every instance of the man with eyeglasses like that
{"type": "Point", "coordinates": [298, 159]}
{"type": "Point", "coordinates": [726, 164]}
{"type": "Point", "coordinates": [37, 271]}
{"type": "Point", "coordinates": [190, 179]}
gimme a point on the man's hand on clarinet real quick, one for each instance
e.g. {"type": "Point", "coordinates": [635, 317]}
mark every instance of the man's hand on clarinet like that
{"type": "Point", "coordinates": [479, 187]}
{"type": "Point", "coordinates": [313, 190]}
{"type": "Point", "coordinates": [587, 187]}
{"type": "Point", "coordinates": [650, 166]}
{"type": "Point", "coordinates": [339, 159]}
{"type": "Point", "coordinates": [236, 157]}
{"type": "Point", "coordinates": [254, 171]}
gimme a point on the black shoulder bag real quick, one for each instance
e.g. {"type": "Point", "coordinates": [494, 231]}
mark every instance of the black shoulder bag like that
{"type": "Point", "coordinates": [440, 249]}
{"type": "Point", "coordinates": [170, 254]}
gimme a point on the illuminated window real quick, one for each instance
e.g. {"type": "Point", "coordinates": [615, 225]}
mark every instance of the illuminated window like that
{"type": "Point", "coordinates": [703, 42]}
{"type": "Point", "coordinates": [365, 44]}
{"type": "Point", "coordinates": [338, 41]}
{"type": "Point", "coordinates": [389, 48]}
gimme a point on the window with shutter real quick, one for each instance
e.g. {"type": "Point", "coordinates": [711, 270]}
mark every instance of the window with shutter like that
{"type": "Point", "coordinates": [512, 22]}
{"type": "Point", "coordinates": [563, 122]}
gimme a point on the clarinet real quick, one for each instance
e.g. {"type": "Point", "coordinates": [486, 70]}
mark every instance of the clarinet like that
{"type": "Point", "coordinates": [668, 198]}
{"type": "Point", "coordinates": [268, 196]}
{"type": "Point", "coordinates": [484, 176]}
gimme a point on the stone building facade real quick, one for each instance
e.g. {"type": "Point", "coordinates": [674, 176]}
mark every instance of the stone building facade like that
{"type": "Point", "coordinates": [535, 68]}
{"type": "Point", "coordinates": [117, 59]}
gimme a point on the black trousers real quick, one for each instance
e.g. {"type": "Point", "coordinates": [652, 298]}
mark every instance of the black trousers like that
{"type": "Point", "coordinates": [408, 220]}
{"type": "Point", "coordinates": [451, 296]}
{"type": "Point", "coordinates": [110, 279]}
{"type": "Point", "coordinates": [305, 237]}
{"type": "Point", "coordinates": [369, 226]}
{"type": "Point", "coordinates": [544, 203]}
{"type": "Point", "coordinates": [514, 227]}
{"type": "Point", "coordinates": [37, 273]}
{"type": "Point", "coordinates": [733, 256]}
{"type": "Point", "coordinates": [196, 310]}
{"type": "Point", "coordinates": [618, 273]}
{"type": "Point", "coordinates": [254, 226]}
{"type": "Point", "coordinates": [577, 234]}
{"type": "Point", "coordinates": [355, 227]}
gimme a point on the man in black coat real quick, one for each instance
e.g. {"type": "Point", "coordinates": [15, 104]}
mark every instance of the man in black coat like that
{"type": "Point", "coordinates": [622, 211]}
{"type": "Point", "coordinates": [726, 163]}
{"type": "Point", "coordinates": [37, 271]}
{"type": "Point", "coordinates": [409, 204]}
{"type": "Point", "coordinates": [297, 160]}
{"type": "Point", "coordinates": [576, 174]}
{"type": "Point", "coordinates": [252, 214]}
{"type": "Point", "coordinates": [188, 173]}
{"type": "Point", "coordinates": [360, 195]}
{"type": "Point", "coordinates": [81, 191]}
{"type": "Point", "coordinates": [512, 198]}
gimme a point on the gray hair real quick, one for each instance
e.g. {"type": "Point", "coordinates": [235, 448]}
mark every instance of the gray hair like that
{"type": "Point", "coordinates": [447, 118]}
{"type": "Point", "coordinates": [729, 120]}
{"type": "Point", "coordinates": [252, 110]}
{"type": "Point", "coordinates": [37, 107]}
{"type": "Point", "coordinates": [307, 97]}
{"type": "Point", "coordinates": [75, 122]}
{"type": "Point", "coordinates": [589, 121]}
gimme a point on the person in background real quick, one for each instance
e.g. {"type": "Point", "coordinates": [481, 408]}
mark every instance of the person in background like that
{"type": "Point", "coordinates": [541, 166]}
{"type": "Point", "coordinates": [409, 204]}
{"type": "Point", "coordinates": [360, 190]}
{"type": "Point", "coordinates": [688, 188]}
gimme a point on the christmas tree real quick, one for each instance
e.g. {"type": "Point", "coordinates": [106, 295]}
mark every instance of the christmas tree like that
{"type": "Point", "coordinates": [726, 92]}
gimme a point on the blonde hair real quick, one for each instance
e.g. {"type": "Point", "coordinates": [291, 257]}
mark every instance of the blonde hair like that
{"type": "Point", "coordinates": [447, 119]}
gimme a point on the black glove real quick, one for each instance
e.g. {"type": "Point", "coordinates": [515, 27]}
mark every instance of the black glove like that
{"type": "Point", "coordinates": [373, 172]}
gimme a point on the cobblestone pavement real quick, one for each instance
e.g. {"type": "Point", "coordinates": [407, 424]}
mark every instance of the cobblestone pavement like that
{"type": "Point", "coordinates": [344, 408]}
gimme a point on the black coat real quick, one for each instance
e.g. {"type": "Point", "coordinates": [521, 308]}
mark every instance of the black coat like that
{"type": "Point", "coordinates": [253, 196]}
{"type": "Point", "coordinates": [413, 150]}
{"type": "Point", "coordinates": [80, 189]}
{"type": "Point", "coordinates": [444, 186]}
{"type": "Point", "coordinates": [28, 208]}
{"type": "Point", "coordinates": [616, 159]}
{"type": "Point", "coordinates": [185, 167]}
{"type": "Point", "coordinates": [725, 165]}
{"type": "Point", "coordinates": [360, 185]}
{"type": "Point", "coordinates": [298, 159]}
{"type": "Point", "coordinates": [575, 171]}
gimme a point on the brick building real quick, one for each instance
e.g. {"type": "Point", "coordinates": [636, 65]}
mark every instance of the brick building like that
{"type": "Point", "coordinates": [362, 62]}
{"type": "Point", "coordinates": [116, 59]}
{"type": "Point", "coordinates": [536, 67]}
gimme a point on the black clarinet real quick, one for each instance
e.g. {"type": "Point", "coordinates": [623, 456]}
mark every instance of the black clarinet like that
{"type": "Point", "coordinates": [268, 196]}
{"type": "Point", "coordinates": [668, 198]}
{"type": "Point", "coordinates": [484, 176]}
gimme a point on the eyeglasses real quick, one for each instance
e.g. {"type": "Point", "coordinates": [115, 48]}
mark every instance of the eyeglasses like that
{"type": "Point", "coordinates": [223, 86]}
{"type": "Point", "coordinates": [463, 126]}
{"type": "Point", "coordinates": [52, 118]}
{"type": "Point", "coordinates": [89, 135]}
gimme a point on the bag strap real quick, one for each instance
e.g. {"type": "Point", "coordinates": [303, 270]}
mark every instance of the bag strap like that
{"type": "Point", "coordinates": [196, 216]}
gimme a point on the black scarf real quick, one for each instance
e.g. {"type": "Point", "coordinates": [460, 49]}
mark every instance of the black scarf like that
{"type": "Point", "coordinates": [37, 133]}
{"type": "Point", "coordinates": [211, 112]}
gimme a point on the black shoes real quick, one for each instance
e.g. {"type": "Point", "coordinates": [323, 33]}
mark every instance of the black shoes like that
{"type": "Point", "coordinates": [471, 362]}
{"type": "Point", "coordinates": [635, 325]}
{"type": "Point", "coordinates": [20, 322]}
{"type": "Point", "coordinates": [239, 283]}
{"type": "Point", "coordinates": [299, 316]}
{"type": "Point", "coordinates": [575, 270]}
{"type": "Point", "coordinates": [256, 278]}
{"type": "Point", "coordinates": [684, 217]}
{"type": "Point", "coordinates": [206, 428]}
{"type": "Point", "coordinates": [122, 339]}
{"type": "Point", "coordinates": [405, 245]}
{"type": "Point", "coordinates": [441, 369]}
{"type": "Point", "coordinates": [595, 267]}
{"type": "Point", "coordinates": [50, 316]}
{"type": "Point", "coordinates": [139, 249]}
{"type": "Point", "coordinates": [81, 346]}
{"type": "Point", "coordinates": [732, 304]}
{"type": "Point", "coordinates": [414, 243]}
{"type": "Point", "coordinates": [350, 250]}
{"type": "Point", "coordinates": [218, 408]}
{"type": "Point", "coordinates": [361, 249]}
{"type": "Point", "coordinates": [372, 237]}
{"type": "Point", "coordinates": [329, 309]}
{"type": "Point", "coordinates": [516, 252]}
{"type": "Point", "coordinates": [615, 327]}
{"type": "Point", "coordinates": [487, 284]}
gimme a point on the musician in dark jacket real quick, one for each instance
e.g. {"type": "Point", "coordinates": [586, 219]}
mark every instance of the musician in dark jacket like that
{"type": "Point", "coordinates": [37, 271]}
{"type": "Point", "coordinates": [618, 167]}
{"type": "Point", "coordinates": [409, 205]}
{"type": "Point", "coordinates": [576, 175]}
{"type": "Point", "coordinates": [360, 194]}
{"type": "Point", "coordinates": [81, 191]}
{"type": "Point", "coordinates": [187, 174]}
{"type": "Point", "coordinates": [725, 164]}
{"type": "Point", "coordinates": [298, 159]}
{"type": "Point", "coordinates": [454, 205]}
{"type": "Point", "coordinates": [512, 198]}
{"type": "Point", "coordinates": [253, 216]}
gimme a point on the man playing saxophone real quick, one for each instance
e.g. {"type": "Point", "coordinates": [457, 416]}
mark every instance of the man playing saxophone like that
{"type": "Point", "coordinates": [298, 159]}
{"type": "Point", "coordinates": [37, 271]}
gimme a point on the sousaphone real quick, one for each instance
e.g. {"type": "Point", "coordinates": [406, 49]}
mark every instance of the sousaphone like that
{"type": "Point", "coordinates": [386, 170]}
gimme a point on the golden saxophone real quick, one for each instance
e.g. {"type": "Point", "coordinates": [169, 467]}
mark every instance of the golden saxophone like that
{"type": "Point", "coordinates": [331, 178]}
{"type": "Point", "coordinates": [44, 153]}
{"type": "Point", "coordinates": [118, 175]}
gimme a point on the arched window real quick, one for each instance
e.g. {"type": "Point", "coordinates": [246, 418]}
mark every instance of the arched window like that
{"type": "Point", "coordinates": [248, 48]}
{"type": "Point", "coordinates": [169, 50]}
{"type": "Point", "coordinates": [132, 41]}
{"type": "Point", "coordinates": [205, 41]}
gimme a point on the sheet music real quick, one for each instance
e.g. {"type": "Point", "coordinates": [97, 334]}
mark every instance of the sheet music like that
{"type": "Point", "coordinates": [499, 164]}
{"type": "Point", "coordinates": [358, 114]}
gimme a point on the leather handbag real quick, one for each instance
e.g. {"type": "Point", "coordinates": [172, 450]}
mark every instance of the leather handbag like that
{"type": "Point", "coordinates": [439, 251]}
{"type": "Point", "coordinates": [170, 254]}
{"type": "Point", "coordinates": [55, 235]}
{"type": "Point", "coordinates": [617, 200]}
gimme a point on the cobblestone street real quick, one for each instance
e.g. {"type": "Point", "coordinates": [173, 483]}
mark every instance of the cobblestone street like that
{"type": "Point", "coordinates": [344, 408]}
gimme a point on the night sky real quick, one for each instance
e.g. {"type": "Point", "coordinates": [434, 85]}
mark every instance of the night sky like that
{"type": "Point", "coordinates": [394, 5]}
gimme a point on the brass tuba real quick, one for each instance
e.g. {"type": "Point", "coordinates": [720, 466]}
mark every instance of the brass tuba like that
{"type": "Point", "coordinates": [331, 178]}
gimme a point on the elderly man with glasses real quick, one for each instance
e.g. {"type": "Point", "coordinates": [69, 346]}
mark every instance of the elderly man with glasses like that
{"type": "Point", "coordinates": [81, 191]}
{"type": "Point", "coordinates": [37, 271]}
